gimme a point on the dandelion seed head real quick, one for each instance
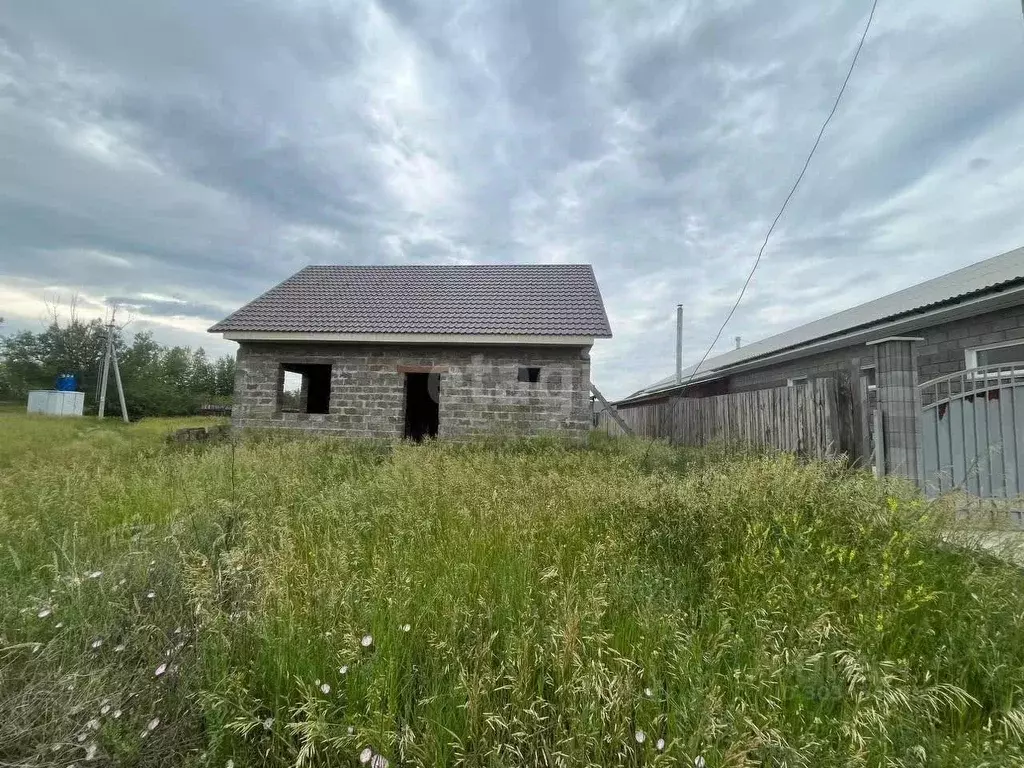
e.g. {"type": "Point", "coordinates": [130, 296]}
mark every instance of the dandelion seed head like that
{"type": "Point", "coordinates": [93, 725]}
{"type": "Point", "coordinates": [343, 669]}
{"type": "Point", "coordinates": [268, 723]}
{"type": "Point", "coordinates": [325, 687]}
{"type": "Point", "coordinates": [160, 670]}
{"type": "Point", "coordinates": [90, 751]}
{"type": "Point", "coordinates": [44, 612]}
{"type": "Point", "coordinates": [640, 737]}
{"type": "Point", "coordinates": [660, 745]}
{"type": "Point", "coordinates": [367, 641]}
{"type": "Point", "coordinates": [365, 756]}
{"type": "Point", "coordinates": [152, 724]}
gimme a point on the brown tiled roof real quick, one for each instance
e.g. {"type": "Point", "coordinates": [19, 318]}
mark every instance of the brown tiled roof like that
{"type": "Point", "coordinates": [528, 299]}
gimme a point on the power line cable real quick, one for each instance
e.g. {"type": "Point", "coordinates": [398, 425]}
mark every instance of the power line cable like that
{"type": "Point", "coordinates": [785, 203]}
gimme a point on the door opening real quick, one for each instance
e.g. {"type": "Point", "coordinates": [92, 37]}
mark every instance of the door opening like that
{"type": "Point", "coordinates": [422, 394]}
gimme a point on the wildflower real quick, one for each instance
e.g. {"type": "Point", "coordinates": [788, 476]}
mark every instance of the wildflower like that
{"type": "Point", "coordinates": [648, 693]}
{"type": "Point", "coordinates": [367, 641]}
{"type": "Point", "coordinates": [93, 725]}
{"type": "Point", "coordinates": [660, 744]}
{"type": "Point", "coordinates": [117, 714]}
{"type": "Point", "coordinates": [160, 670]}
{"type": "Point", "coordinates": [177, 630]}
{"type": "Point", "coordinates": [59, 625]}
{"type": "Point", "coordinates": [119, 647]}
{"type": "Point", "coordinates": [81, 737]}
{"type": "Point", "coordinates": [698, 762]}
{"type": "Point", "coordinates": [325, 687]}
{"type": "Point", "coordinates": [343, 669]}
{"type": "Point", "coordinates": [122, 582]}
{"type": "Point", "coordinates": [44, 612]}
{"type": "Point", "coordinates": [640, 737]}
{"type": "Point", "coordinates": [365, 756]}
{"type": "Point", "coordinates": [151, 594]}
{"type": "Point", "coordinates": [351, 730]}
{"type": "Point", "coordinates": [104, 709]}
{"type": "Point", "coordinates": [152, 724]}
{"type": "Point", "coordinates": [229, 764]}
{"type": "Point", "coordinates": [90, 751]}
{"type": "Point", "coordinates": [95, 574]}
{"type": "Point", "coordinates": [378, 761]}
{"type": "Point", "coordinates": [97, 643]}
{"type": "Point", "coordinates": [406, 627]}
{"type": "Point", "coordinates": [268, 723]}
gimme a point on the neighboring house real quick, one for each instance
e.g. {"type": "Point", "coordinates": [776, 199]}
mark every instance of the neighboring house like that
{"type": "Point", "coordinates": [419, 351]}
{"type": "Point", "coordinates": [969, 318]}
{"type": "Point", "coordinates": [937, 370]}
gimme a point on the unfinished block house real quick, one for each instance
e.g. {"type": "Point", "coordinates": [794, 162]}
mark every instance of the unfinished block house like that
{"type": "Point", "coordinates": [419, 351]}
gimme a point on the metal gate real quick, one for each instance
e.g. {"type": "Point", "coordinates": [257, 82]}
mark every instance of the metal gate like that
{"type": "Point", "coordinates": [972, 431]}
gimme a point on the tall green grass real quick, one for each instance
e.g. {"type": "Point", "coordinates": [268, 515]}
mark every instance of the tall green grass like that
{"type": "Point", "coordinates": [526, 603]}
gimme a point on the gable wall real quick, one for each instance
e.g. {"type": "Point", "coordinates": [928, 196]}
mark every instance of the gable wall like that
{"type": "Point", "coordinates": [479, 389]}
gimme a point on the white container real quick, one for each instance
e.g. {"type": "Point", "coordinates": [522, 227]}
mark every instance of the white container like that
{"type": "Point", "coordinates": [55, 403]}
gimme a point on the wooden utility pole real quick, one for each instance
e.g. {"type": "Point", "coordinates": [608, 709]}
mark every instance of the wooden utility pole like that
{"type": "Point", "coordinates": [111, 356]}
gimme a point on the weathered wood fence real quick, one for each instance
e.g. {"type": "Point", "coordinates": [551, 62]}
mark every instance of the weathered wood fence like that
{"type": "Point", "coordinates": [814, 420]}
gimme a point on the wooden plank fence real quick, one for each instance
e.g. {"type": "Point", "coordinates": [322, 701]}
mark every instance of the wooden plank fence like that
{"type": "Point", "coordinates": [811, 420]}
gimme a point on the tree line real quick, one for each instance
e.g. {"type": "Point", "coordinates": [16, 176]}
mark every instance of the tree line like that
{"type": "Point", "coordinates": [159, 380]}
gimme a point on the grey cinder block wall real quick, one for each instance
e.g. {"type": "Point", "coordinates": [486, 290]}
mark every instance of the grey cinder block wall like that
{"type": "Point", "coordinates": [942, 351]}
{"type": "Point", "coordinates": [480, 393]}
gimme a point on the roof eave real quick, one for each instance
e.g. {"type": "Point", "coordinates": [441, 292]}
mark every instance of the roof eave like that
{"type": "Point", "coordinates": [298, 337]}
{"type": "Point", "coordinates": [989, 301]}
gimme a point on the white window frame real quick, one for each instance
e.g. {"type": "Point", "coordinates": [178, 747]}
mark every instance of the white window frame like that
{"type": "Point", "coordinates": [871, 367]}
{"type": "Point", "coordinates": [797, 381]}
{"type": "Point", "coordinates": [971, 358]}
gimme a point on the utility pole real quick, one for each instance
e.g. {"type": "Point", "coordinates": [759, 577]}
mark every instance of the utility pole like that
{"type": "Point", "coordinates": [679, 344]}
{"type": "Point", "coordinates": [110, 355]}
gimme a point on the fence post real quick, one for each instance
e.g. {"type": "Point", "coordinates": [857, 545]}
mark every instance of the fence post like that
{"type": "Point", "coordinates": [898, 405]}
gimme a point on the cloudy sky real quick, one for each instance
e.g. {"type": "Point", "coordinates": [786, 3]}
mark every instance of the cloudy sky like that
{"type": "Point", "coordinates": [180, 157]}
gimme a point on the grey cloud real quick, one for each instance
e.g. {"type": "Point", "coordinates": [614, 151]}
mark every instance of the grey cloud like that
{"type": "Point", "coordinates": [202, 151]}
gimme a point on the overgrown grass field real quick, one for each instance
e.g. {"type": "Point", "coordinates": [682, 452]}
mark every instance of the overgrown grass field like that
{"type": "Point", "coordinates": [295, 601]}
